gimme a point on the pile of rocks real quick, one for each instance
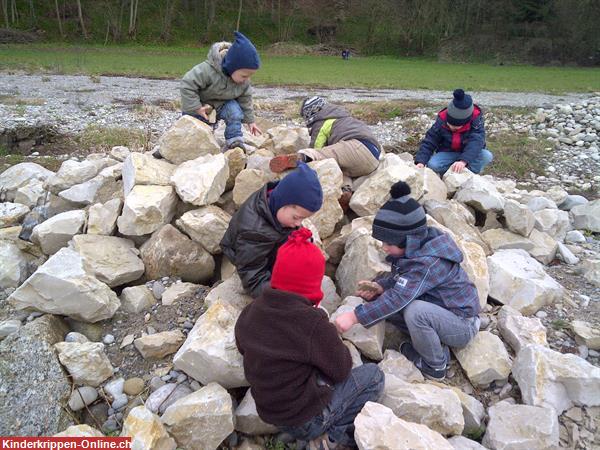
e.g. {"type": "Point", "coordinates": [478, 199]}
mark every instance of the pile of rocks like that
{"type": "Point", "coordinates": [109, 233]}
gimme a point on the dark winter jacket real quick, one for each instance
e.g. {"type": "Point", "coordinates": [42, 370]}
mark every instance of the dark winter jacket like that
{"type": "Point", "coordinates": [469, 140]}
{"type": "Point", "coordinates": [334, 124]}
{"type": "Point", "coordinates": [207, 84]}
{"type": "Point", "coordinates": [429, 271]}
{"type": "Point", "coordinates": [292, 357]}
{"type": "Point", "coordinates": [252, 239]}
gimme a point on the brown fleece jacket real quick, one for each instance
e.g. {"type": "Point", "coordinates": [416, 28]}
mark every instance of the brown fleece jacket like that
{"type": "Point", "coordinates": [287, 344]}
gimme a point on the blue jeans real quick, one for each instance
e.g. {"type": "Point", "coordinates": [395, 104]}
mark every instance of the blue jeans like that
{"type": "Point", "coordinates": [231, 112]}
{"type": "Point", "coordinates": [432, 329]}
{"type": "Point", "coordinates": [364, 384]}
{"type": "Point", "coordinates": [440, 162]}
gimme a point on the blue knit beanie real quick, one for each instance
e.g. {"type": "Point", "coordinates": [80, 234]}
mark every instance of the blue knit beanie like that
{"type": "Point", "coordinates": [300, 187]}
{"type": "Point", "coordinates": [241, 55]}
{"type": "Point", "coordinates": [460, 109]}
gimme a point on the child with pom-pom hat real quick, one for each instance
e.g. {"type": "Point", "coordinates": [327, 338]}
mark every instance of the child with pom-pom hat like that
{"type": "Point", "coordinates": [427, 295]}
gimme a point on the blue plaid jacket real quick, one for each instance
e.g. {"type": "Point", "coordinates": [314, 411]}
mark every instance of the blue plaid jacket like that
{"type": "Point", "coordinates": [429, 271]}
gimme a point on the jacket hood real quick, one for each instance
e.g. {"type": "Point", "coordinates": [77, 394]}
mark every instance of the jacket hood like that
{"type": "Point", "coordinates": [216, 54]}
{"type": "Point", "coordinates": [331, 111]}
{"type": "Point", "coordinates": [436, 243]}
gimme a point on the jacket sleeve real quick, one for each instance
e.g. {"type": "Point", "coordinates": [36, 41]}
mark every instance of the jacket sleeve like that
{"type": "Point", "coordinates": [252, 261]}
{"type": "Point", "coordinates": [429, 144]}
{"type": "Point", "coordinates": [245, 102]}
{"type": "Point", "coordinates": [328, 352]}
{"type": "Point", "coordinates": [190, 86]}
{"type": "Point", "coordinates": [475, 142]}
{"type": "Point", "coordinates": [409, 286]}
{"type": "Point", "coordinates": [314, 132]}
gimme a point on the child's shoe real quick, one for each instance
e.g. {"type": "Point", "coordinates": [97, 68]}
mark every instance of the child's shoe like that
{"type": "Point", "coordinates": [344, 199]}
{"type": "Point", "coordinates": [428, 372]}
{"type": "Point", "coordinates": [236, 144]}
{"type": "Point", "coordinates": [282, 163]}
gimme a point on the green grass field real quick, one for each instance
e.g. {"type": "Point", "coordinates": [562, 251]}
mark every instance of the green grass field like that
{"type": "Point", "coordinates": [318, 71]}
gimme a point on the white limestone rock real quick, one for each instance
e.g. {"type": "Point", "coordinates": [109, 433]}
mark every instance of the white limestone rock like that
{"type": "Point", "coordinates": [248, 421]}
{"type": "Point", "coordinates": [545, 246]}
{"type": "Point", "coordinates": [284, 139]}
{"type": "Point", "coordinates": [62, 286]}
{"type": "Point", "coordinates": [79, 431]}
{"type": "Point", "coordinates": [481, 194]}
{"type": "Point", "coordinates": [396, 364]}
{"type": "Point", "coordinates": [586, 334]}
{"type": "Point", "coordinates": [585, 217]}
{"type": "Point", "coordinates": [591, 271]}
{"type": "Point", "coordinates": [553, 222]}
{"type": "Point", "coordinates": [484, 359]}
{"type": "Point", "coordinates": [549, 378]}
{"type": "Point", "coordinates": [19, 260]}
{"type": "Point", "coordinates": [159, 345]}
{"type": "Point", "coordinates": [179, 291]}
{"type": "Point", "coordinates": [86, 362]}
{"type": "Point", "coordinates": [188, 139]}
{"type": "Point", "coordinates": [136, 299]}
{"type": "Point", "coordinates": [331, 300]}
{"type": "Point", "coordinates": [454, 181]}
{"type": "Point", "coordinates": [236, 160]}
{"type": "Point", "coordinates": [103, 187]}
{"type": "Point", "coordinates": [521, 426]}
{"type": "Point", "coordinates": [500, 239]}
{"type": "Point", "coordinates": [518, 280]}
{"type": "Point", "coordinates": [519, 218]}
{"type": "Point", "coordinates": [73, 172]}
{"type": "Point", "coordinates": [146, 431]}
{"type": "Point", "coordinates": [463, 443]}
{"type": "Point", "coordinates": [12, 214]}
{"type": "Point", "coordinates": [229, 291]}
{"type": "Point", "coordinates": [32, 194]}
{"type": "Point", "coordinates": [376, 427]}
{"type": "Point", "coordinates": [201, 181]}
{"type": "Point", "coordinates": [146, 209]}
{"type": "Point", "coordinates": [433, 187]}
{"type": "Point", "coordinates": [206, 225]}
{"type": "Point", "coordinates": [103, 217]}
{"type": "Point", "coordinates": [143, 168]}
{"type": "Point", "coordinates": [21, 175]}
{"type": "Point", "coordinates": [56, 232]}
{"type": "Point", "coordinates": [519, 331]}
{"type": "Point", "coordinates": [247, 183]}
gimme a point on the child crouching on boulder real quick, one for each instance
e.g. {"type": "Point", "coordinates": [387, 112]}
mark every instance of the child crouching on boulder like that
{"type": "Point", "coordinates": [222, 83]}
{"type": "Point", "coordinates": [299, 370]}
{"type": "Point", "coordinates": [427, 295]}
{"type": "Point", "coordinates": [264, 221]}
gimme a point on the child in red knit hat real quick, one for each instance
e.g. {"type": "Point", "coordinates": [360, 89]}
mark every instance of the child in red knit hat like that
{"type": "Point", "coordinates": [299, 370]}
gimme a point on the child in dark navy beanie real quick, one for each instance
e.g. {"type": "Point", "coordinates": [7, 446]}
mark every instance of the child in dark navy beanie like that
{"type": "Point", "coordinates": [457, 138]}
{"type": "Point", "coordinates": [264, 221]}
{"type": "Point", "coordinates": [222, 83]}
{"type": "Point", "coordinates": [427, 295]}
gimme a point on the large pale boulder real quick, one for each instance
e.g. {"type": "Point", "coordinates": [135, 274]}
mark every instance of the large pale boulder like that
{"type": "Point", "coordinates": [12, 214]}
{"type": "Point", "coordinates": [519, 331]}
{"type": "Point", "coordinates": [102, 217]}
{"type": "Point", "coordinates": [146, 431]}
{"type": "Point", "coordinates": [201, 420]}
{"type": "Point", "coordinates": [396, 364]}
{"type": "Point", "coordinates": [433, 187]}
{"type": "Point", "coordinates": [518, 280]}
{"type": "Point", "coordinates": [247, 183]}
{"type": "Point", "coordinates": [159, 345]}
{"type": "Point", "coordinates": [136, 299]}
{"type": "Point", "coordinates": [554, 222]}
{"type": "Point", "coordinates": [455, 180]}
{"type": "Point", "coordinates": [209, 352]}
{"type": "Point", "coordinates": [475, 265]}
{"type": "Point", "coordinates": [188, 139]}
{"type": "Point", "coordinates": [363, 259]}
{"type": "Point", "coordinates": [326, 218]}
{"type": "Point", "coordinates": [376, 427]}
{"type": "Point", "coordinates": [248, 421]}
{"type": "Point", "coordinates": [437, 408]}
{"type": "Point", "coordinates": [62, 286]}
{"type": "Point", "coordinates": [368, 340]}
{"type": "Point", "coordinates": [21, 175]}
{"type": "Point", "coordinates": [201, 181]}
{"type": "Point", "coordinates": [591, 271]}
{"type": "Point", "coordinates": [284, 139]}
{"type": "Point", "coordinates": [521, 427]}
{"type": "Point", "coordinates": [111, 259]}
{"type": "Point", "coordinates": [335, 244]}
{"type": "Point", "coordinates": [472, 409]}
{"type": "Point", "coordinates": [549, 378]}
{"type": "Point", "coordinates": [500, 239]}
{"type": "Point", "coordinates": [585, 217]}
{"type": "Point", "coordinates": [374, 191]}
{"type": "Point", "coordinates": [32, 194]}
{"type": "Point", "coordinates": [165, 396]}
{"type": "Point", "coordinates": [55, 233]}
{"type": "Point", "coordinates": [103, 187]}
{"type": "Point", "coordinates": [86, 362]}
{"type": "Point", "coordinates": [331, 300]}
{"type": "Point", "coordinates": [544, 246]}
{"type": "Point", "coordinates": [205, 225]}
{"type": "Point", "coordinates": [179, 291]}
{"type": "Point", "coordinates": [481, 194]}
{"type": "Point", "coordinates": [330, 176]}
{"type": "Point", "coordinates": [586, 334]}
{"type": "Point", "coordinates": [169, 252]}
{"type": "Point", "coordinates": [79, 431]}
{"type": "Point", "coordinates": [463, 443]}
{"type": "Point", "coordinates": [236, 160]}
{"type": "Point", "coordinates": [484, 359]}
{"type": "Point", "coordinates": [19, 260]}
{"type": "Point", "coordinates": [74, 172]}
{"type": "Point", "coordinates": [30, 371]}
{"type": "Point", "coordinates": [143, 168]}
{"type": "Point", "coordinates": [146, 209]}
{"type": "Point", "coordinates": [519, 218]}
{"type": "Point", "coordinates": [230, 291]}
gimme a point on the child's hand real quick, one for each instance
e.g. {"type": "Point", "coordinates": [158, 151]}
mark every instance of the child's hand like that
{"type": "Point", "coordinates": [254, 129]}
{"type": "Point", "coordinates": [420, 165]}
{"type": "Point", "coordinates": [204, 111]}
{"type": "Point", "coordinates": [345, 321]}
{"type": "Point", "coordinates": [458, 166]}
{"type": "Point", "coordinates": [369, 290]}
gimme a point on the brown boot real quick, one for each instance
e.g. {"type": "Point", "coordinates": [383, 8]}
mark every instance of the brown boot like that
{"type": "Point", "coordinates": [282, 163]}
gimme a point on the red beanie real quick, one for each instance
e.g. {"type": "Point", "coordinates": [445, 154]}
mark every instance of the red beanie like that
{"type": "Point", "coordinates": [299, 267]}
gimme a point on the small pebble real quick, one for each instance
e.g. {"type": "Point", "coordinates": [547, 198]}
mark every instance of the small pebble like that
{"type": "Point", "coordinates": [541, 314]}
{"type": "Point", "coordinates": [108, 339]}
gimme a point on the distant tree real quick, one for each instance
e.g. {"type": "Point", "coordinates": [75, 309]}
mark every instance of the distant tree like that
{"type": "Point", "coordinates": [58, 19]}
{"type": "Point", "coordinates": [81, 22]}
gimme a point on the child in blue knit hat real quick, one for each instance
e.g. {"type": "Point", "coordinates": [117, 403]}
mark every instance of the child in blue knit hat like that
{"type": "Point", "coordinates": [222, 83]}
{"type": "Point", "coordinates": [264, 221]}
{"type": "Point", "coordinates": [457, 138]}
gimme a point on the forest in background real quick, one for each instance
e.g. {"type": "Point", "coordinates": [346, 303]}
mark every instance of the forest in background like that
{"type": "Point", "coordinates": [546, 32]}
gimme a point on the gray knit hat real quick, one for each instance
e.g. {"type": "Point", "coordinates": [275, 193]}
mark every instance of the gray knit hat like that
{"type": "Point", "coordinates": [310, 107]}
{"type": "Point", "coordinates": [460, 109]}
{"type": "Point", "coordinates": [398, 217]}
